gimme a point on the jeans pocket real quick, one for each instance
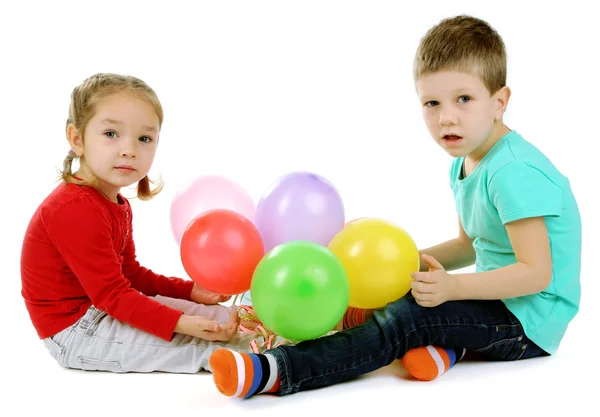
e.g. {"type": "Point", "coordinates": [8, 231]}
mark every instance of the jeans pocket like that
{"type": "Point", "coordinates": [90, 364]}
{"type": "Point", "coordinates": [56, 351]}
{"type": "Point", "coordinates": [507, 349]}
{"type": "Point", "coordinates": [58, 344]}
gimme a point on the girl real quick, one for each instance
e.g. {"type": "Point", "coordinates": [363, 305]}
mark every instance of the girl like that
{"type": "Point", "coordinates": [93, 305]}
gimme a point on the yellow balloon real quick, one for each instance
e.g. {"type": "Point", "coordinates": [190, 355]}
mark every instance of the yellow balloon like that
{"type": "Point", "coordinates": [379, 258]}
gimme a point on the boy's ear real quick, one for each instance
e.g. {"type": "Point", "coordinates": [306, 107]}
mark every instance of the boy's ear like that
{"type": "Point", "coordinates": [501, 102]}
{"type": "Point", "coordinates": [75, 139]}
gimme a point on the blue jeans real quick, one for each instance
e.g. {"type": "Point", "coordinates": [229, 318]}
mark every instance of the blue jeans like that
{"type": "Point", "coordinates": [485, 327]}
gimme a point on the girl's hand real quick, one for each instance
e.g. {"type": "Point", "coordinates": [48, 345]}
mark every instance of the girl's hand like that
{"type": "Point", "coordinates": [203, 296]}
{"type": "Point", "coordinates": [206, 329]}
{"type": "Point", "coordinates": [435, 287]}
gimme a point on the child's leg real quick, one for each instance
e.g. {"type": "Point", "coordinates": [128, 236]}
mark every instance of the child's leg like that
{"type": "Point", "coordinates": [356, 316]}
{"type": "Point", "coordinates": [99, 342]}
{"type": "Point", "coordinates": [485, 326]}
{"type": "Point", "coordinates": [425, 362]}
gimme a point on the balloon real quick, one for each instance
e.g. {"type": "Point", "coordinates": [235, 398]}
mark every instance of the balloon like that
{"type": "Point", "coordinates": [207, 193]}
{"type": "Point", "coordinates": [300, 290]}
{"type": "Point", "coordinates": [379, 258]}
{"type": "Point", "coordinates": [354, 220]}
{"type": "Point", "coordinates": [220, 250]}
{"type": "Point", "coordinates": [299, 206]}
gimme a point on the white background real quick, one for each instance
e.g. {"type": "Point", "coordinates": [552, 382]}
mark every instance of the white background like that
{"type": "Point", "coordinates": [331, 81]}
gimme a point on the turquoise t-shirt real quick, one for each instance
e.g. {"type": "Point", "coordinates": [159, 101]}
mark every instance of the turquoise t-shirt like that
{"type": "Point", "coordinates": [515, 180]}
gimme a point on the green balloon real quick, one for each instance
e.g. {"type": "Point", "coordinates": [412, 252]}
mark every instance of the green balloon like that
{"type": "Point", "coordinates": [300, 290]}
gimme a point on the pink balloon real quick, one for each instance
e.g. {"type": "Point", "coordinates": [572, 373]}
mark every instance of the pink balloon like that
{"type": "Point", "coordinates": [207, 193]}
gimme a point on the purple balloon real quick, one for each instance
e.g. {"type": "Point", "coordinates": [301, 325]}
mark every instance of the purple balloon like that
{"type": "Point", "coordinates": [299, 206]}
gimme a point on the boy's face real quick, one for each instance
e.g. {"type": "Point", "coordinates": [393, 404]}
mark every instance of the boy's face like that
{"type": "Point", "coordinates": [459, 112]}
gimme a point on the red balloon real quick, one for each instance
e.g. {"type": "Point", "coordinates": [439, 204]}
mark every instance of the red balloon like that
{"type": "Point", "coordinates": [220, 250]}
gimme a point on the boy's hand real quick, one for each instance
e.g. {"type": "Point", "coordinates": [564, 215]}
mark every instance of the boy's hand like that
{"type": "Point", "coordinates": [432, 288]}
{"type": "Point", "coordinates": [203, 296]}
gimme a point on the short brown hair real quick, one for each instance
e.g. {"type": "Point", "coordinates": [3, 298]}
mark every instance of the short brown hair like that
{"type": "Point", "coordinates": [463, 43]}
{"type": "Point", "coordinates": [84, 100]}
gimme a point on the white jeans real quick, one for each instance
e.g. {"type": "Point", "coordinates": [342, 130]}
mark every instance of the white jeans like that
{"type": "Point", "coordinates": [98, 342]}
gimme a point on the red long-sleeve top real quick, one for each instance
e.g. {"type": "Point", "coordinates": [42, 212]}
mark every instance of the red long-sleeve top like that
{"type": "Point", "coordinates": [78, 250]}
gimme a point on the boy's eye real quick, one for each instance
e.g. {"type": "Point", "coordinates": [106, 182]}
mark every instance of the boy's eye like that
{"type": "Point", "coordinates": [145, 139]}
{"type": "Point", "coordinates": [464, 99]}
{"type": "Point", "coordinates": [111, 135]}
{"type": "Point", "coordinates": [431, 103]}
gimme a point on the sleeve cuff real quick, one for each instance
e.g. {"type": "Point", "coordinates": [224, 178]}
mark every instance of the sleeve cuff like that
{"type": "Point", "coordinates": [513, 215]}
{"type": "Point", "coordinates": [166, 327]}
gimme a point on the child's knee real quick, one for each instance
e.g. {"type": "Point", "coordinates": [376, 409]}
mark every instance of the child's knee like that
{"type": "Point", "coordinates": [403, 312]}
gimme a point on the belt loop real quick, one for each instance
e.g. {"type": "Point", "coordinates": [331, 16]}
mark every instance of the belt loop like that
{"type": "Point", "coordinates": [94, 322]}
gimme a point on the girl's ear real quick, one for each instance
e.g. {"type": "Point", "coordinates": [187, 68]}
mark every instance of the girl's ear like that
{"type": "Point", "coordinates": [75, 140]}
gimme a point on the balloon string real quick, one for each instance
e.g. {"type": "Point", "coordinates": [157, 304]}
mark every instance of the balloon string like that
{"type": "Point", "coordinates": [257, 328]}
{"type": "Point", "coordinates": [235, 299]}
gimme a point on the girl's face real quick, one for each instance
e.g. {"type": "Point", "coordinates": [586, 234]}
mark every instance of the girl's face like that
{"type": "Point", "coordinates": [119, 143]}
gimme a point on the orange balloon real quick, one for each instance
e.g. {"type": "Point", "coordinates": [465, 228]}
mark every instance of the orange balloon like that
{"type": "Point", "coordinates": [220, 250]}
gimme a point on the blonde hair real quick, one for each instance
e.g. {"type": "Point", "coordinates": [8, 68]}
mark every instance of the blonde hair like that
{"type": "Point", "coordinates": [84, 100]}
{"type": "Point", "coordinates": [466, 44]}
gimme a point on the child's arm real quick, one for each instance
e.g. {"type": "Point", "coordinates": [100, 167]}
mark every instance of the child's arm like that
{"type": "Point", "coordinates": [207, 329]}
{"type": "Point", "coordinates": [82, 233]}
{"type": "Point", "coordinates": [523, 196]}
{"type": "Point", "coordinates": [452, 254]}
{"type": "Point", "coordinates": [150, 283]}
{"type": "Point", "coordinates": [147, 281]}
{"type": "Point", "coordinates": [529, 275]}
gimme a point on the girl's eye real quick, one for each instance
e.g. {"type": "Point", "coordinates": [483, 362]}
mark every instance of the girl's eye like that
{"type": "Point", "coordinates": [464, 99]}
{"type": "Point", "coordinates": [145, 139]}
{"type": "Point", "coordinates": [111, 135]}
{"type": "Point", "coordinates": [431, 103]}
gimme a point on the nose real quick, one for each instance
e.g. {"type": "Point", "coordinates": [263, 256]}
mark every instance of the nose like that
{"type": "Point", "coordinates": [447, 117]}
{"type": "Point", "coordinates": [128, 149]}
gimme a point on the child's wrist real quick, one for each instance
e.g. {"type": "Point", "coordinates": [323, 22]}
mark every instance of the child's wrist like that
{"type": "Point", "coordinates": [457, 287]}
{"type": "Point", "coordinates": [182, 324]}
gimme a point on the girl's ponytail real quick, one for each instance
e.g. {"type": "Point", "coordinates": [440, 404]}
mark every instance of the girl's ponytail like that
{"type": "Point", "coordinates": [67, 170]}
{"type": "Point", "coordinates": [144, 192]}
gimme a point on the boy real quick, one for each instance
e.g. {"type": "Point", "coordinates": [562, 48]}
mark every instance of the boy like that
{"type": "Point", "coordinates": [518, 223]}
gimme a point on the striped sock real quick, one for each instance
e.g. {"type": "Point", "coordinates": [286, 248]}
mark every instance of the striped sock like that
{"type": "Point", "coordinates": [355, 317]}
{"type": "Point", "coordinates": [242, 375]}
{"type": "Point", "coordinates": [428, 362]}
{"type": "Point", "coordinates": [424, 363]}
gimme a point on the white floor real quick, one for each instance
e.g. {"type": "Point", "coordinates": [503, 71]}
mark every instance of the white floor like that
{"type": "Point", "coordinates": [239, 80]}
{"type": "Point", "coordinates": [34, 383]}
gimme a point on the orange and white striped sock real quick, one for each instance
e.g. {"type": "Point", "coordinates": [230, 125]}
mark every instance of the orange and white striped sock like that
{"type": "Point", "coordinates": [355, 317]}
{"type": "Point", "coordinates": [424, 363]}
{"type": "Point", "coordinates": [242, 375]}
{"type": "Point", "coordinates": [428, 362]}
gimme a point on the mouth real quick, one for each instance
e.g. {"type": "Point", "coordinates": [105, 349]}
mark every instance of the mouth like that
{"type": "Point", "coordinates": [125, 168]}
{"type": "Point", "coordinates": [451, 139]}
